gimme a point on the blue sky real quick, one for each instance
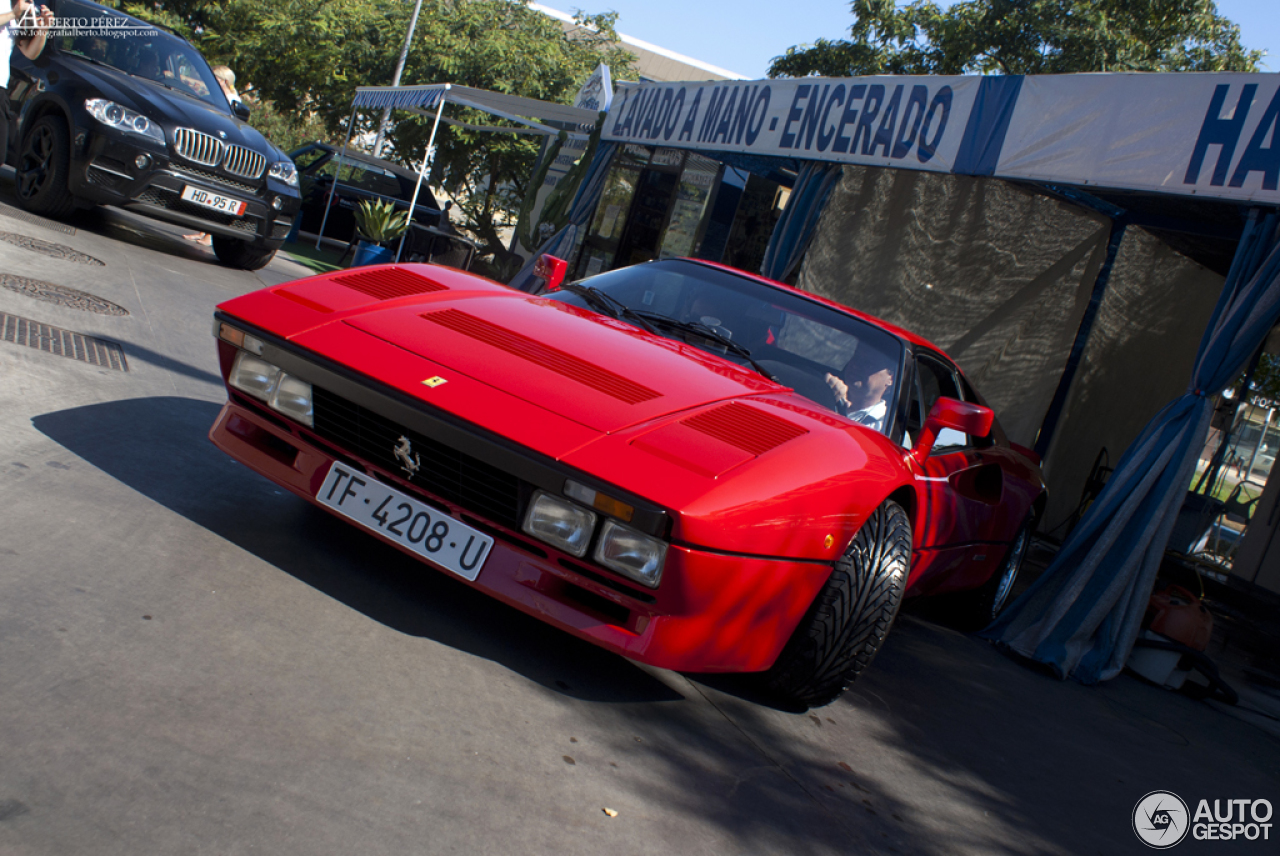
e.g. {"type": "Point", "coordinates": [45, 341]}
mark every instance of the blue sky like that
{"type": "Point", "coordinates": [744, 35]}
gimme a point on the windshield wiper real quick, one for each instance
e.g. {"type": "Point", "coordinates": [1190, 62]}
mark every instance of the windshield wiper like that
{"type": "Point", "coordinates": [606, 303]}
{"type": "Point", "coordinates": [697, 328]}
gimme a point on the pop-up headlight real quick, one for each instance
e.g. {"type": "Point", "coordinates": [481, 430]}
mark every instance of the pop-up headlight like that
{"type": "Point", "coordinates": [560, 523]}
{"type": "Point", "coordinates": [631, 553]}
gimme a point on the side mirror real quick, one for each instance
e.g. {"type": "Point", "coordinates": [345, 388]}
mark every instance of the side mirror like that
{"type": "Point", "coordinates": [551, 271]}
{"type": "Point", "coordinates": [240, 109]}
{"type": "Point", "coordinates": [963, 416]}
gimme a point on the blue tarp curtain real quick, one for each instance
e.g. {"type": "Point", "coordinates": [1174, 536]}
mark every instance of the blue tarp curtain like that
{"type": "Point", "coordinates": [1082, 616]}
{"type": "Point", "coordinates": [584, 204]}
{"type": "Point", "coordinates": [799, 220]}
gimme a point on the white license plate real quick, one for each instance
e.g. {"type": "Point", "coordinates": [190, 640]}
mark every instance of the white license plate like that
{"type": "Point", "coordinates": [224, 204]}
{"type": "Point", "coordinates": [432, 534]}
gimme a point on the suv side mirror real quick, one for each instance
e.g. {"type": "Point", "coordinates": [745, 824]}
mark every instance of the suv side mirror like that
{"type": "Point", "coordinates": [963, 416]}
{"type": "Point", "coordinates": [240, 109]}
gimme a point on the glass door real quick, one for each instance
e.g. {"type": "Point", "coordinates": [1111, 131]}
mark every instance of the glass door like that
{"type": "Point", "coordinates": [1229, 521]}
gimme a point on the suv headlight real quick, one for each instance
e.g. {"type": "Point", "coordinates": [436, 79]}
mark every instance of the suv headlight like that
{"type": "Point", "coordinates": [113, 115]}
{"type": "Point", "coordinates": [284, 171]}
{"type": "Point", "coordinates": [631, 553]}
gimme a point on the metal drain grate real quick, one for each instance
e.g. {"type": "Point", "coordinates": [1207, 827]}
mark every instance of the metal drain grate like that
{"type": "Point", "coordinates": [19, 214]}
{"type": "Point", "coordinates": [60, 295]}
{"type": "Point", "coordinates": [64, 343]}
{"type": "Point", "coordinates": [47, 248]}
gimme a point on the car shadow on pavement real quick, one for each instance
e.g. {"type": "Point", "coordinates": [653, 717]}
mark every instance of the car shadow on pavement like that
{"type": "Point", "coordinates": [943, 747]}
{"type": "Point", "coordinates": [160, 448]}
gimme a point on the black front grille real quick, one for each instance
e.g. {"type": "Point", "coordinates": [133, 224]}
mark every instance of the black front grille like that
{"type": "Point", "coordinates": [453, 476]}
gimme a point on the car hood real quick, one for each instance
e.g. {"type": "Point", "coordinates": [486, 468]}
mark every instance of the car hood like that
{"type": "Point", "coordinates": [601, 373]}
{"type": "Point", "coordinates": [170, 108]}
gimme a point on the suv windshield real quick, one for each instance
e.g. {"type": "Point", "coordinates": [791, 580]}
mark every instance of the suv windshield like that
{"type": "Point", "coordinates": [836, 360]}
{"type": "Point", "coordinates": [159, 57]}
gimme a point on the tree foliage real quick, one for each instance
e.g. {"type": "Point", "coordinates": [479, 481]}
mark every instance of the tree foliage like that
{"type": "Point", "coordinates": [1025, 37]}
{"type": "Point", "coordinates": [298, 63]}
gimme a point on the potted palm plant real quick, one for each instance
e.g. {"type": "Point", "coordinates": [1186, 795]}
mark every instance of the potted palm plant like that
{"type": "Point", "coordinates": [377, 224]}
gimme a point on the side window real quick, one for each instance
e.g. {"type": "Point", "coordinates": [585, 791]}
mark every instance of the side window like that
{"type": "Point", "coordinates": [304, 159]}
{"type": "Point", "coordinates": [935, 380]}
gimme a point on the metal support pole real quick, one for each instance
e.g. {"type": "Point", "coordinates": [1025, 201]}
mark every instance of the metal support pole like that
{"type": "Point", "coordinates": [431, 142]}
{"type": "Point", "coordinates": [404, 55]}
{"type": "Point", "coordinates": [1045, 436]}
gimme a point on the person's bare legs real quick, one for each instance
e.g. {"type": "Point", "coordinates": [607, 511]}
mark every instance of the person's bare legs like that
{"type": "Point", "coordinates": [204, 239]}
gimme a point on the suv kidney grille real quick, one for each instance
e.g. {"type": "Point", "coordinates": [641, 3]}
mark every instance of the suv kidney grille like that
{"type": "Point", "coordinates": [208, 150]}
{"type": "Point", "coordinates": [198, 147]}
{"type": "Point", "coordinates": [243, 162]}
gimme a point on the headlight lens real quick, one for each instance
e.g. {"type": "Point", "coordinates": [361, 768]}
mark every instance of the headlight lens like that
{"type": "Point", "coordinates": [284, 171]}
{"type": "Point", "coordinates": [560, 523]}
{"type": "Point", "coordinates": [255, 376]}
{"type": "Point", "coordinates": [113, 115]}
{"type": "Point", "coordinates": [632, 554]}
{"type": "Point", "coordinates": [293, 399]}
{"type": "Point", "coordinates": [282, 393]}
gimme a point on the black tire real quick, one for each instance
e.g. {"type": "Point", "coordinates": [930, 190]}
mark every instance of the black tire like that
{"type": "Point", "coordinates": [976, 609]}
{"type": "Point", "coordinates": [238, 254]}
{"type": "Point", "coordinates": [849, 619]}
{"type": "Point", "coordinates": [44, 161]}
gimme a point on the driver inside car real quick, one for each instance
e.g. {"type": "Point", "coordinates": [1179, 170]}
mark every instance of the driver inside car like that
{"type": "Point", "coordinates": [861, 387]}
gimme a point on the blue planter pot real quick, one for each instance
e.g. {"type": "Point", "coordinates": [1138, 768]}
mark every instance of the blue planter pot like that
{"type": "Point", "coordinates": [370, 254]}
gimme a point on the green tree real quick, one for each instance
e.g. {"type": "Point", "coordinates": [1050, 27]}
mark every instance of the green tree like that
{"type": "Point", "coordinates": [301, 61]}
{"type": "Point", "coordinates": [1025, 37]}
{"type": "Point", "coordinates": [506, 47]}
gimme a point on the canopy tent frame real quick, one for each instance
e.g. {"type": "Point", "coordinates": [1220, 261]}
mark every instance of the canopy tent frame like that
{"type": "Point", "coordinates": [421, 98]}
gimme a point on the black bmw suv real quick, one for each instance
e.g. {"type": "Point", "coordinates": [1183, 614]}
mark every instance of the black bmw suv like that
{"type": "Point", "coordinates": [117, 111]}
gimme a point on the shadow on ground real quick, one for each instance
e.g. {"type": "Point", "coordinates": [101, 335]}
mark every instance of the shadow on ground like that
{"type": "Point", "coordinates": [160, 448]}
{"type": "Point", "coordinates": [944, 746]}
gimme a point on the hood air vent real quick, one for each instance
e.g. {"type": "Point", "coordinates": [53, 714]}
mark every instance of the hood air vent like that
{"type": "Point", "coordinates": [746, 428]}
{"type": "Point", "coordinates": [536, 352]}
{"type": "Point", "coordinates": [389, 283]}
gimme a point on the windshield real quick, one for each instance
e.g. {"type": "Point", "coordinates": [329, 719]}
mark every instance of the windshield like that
{"type": "Point", "coordinates": [158, 57]}
{"type": "Point", "coordinates": [837, 361]}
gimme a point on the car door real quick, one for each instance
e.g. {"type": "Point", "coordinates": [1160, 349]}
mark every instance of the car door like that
{"type": "Point", "coordinates": [961, 490]}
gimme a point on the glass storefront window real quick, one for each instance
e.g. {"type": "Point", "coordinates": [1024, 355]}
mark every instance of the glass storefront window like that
{"type": "Point", "coordinates": [1232, 475]}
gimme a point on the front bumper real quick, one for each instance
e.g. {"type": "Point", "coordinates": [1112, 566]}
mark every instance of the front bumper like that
{"type": "Point", "coordinates": [106, 172]}
{"type": "Point", "coordinates": [712, 612]}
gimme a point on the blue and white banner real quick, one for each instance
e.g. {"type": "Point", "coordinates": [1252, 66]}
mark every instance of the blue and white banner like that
{"type": "Point", "coordinates": [1208, 135]}
{"type": "Point", "coordinates": [905, 122]}
{"type": "Point", "coordinates": [1212, 135]}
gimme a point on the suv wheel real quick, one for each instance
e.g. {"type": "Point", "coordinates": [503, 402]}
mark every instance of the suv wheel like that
{"type": "Point", "coordinates": [239, 254]}
{"type": "Point", "coordinates": [43, 163]}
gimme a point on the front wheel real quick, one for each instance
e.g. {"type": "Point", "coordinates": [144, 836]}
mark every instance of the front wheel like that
{"type": "Point", "coordinates": [238, 254]}
{"type": "Point", "coordinates": [44, 162]}
{"type": "Point", "coordinates": [849, 619]}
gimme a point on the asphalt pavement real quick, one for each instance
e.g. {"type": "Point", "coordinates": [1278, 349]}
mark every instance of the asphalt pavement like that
{"type": "Point", "coordinates": [195, 662]}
